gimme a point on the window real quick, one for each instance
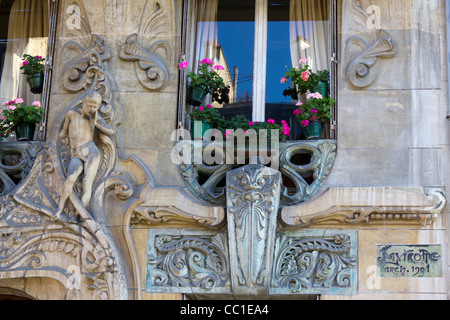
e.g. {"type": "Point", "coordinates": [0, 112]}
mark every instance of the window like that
{"type": "Point", "coordinates": [26, 27]}
{"type": "Point", "coordinates": [256, 41]}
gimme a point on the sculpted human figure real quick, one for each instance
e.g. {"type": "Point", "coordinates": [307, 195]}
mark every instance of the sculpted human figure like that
{"type": "Point", "coordinates": [79, 128]}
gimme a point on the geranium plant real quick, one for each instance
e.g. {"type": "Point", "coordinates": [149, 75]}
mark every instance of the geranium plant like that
{"type": "Point", "coordinates": [15, 112]}
{"type": "Point", "coordinates": [208, 77]}
{"type": "Point", "coordinates": [300, 78]}
{"type": "Point", "coordinates": [32, 64]}
{"type": "Point", "coordinates": [240, 122]}
{"type": "Point", "coordinates": [208, 114]}
{"type": "Point", "coordinates": [316, 109]}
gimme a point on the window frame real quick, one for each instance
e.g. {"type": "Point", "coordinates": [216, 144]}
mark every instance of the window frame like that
{"type": "Point", "coordinates": [260, 60]}
{"type": "Point", "coordinates": [48, 72]}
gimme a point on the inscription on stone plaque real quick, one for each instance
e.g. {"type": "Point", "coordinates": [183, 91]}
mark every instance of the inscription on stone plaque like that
{"type": "Point", "coordinates": [409, 261]}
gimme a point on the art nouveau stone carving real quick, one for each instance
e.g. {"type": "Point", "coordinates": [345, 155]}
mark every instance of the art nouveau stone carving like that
{"type": "Point", "coordinates": [148, 49]}
{"type": "Point", "coordinates": [315, 262]}
{"type": "Point", "coordinates": [16, 161]}
{"type": "Point", "coordinates": [365, 50]}
{"type": "Point", "coordinates": [203, 180]}
{"type": "Point", "coordinates": [187, 263]}
{"type": "Point", "coordinates": [406, 206]}
{"type": "Point", "coordinates": [253, 194]}
{"type": "Point", "coordinates": [79, 128]}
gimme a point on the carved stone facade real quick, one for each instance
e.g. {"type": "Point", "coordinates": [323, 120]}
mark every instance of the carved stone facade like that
{"type": "Point", "coordinates": [153, 228]}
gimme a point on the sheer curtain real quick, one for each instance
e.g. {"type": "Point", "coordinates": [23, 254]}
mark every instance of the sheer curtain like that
{"type": "Point", "coordinates": [309, 32]}
{"type": "Point", "coordinates": [206, 30]}
{"type": "Point", "coordinates": [27, 34]}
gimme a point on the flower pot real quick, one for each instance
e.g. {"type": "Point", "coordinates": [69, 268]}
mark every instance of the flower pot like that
{"type": "Point", "coordinates": [197, 95]}
{"type": "Point", "coordinates": [322, 88]}
{"type": "Point", "coordinates": [313, 130]}
{"type": "Point", "coordinates": [205, 127]}
{"type": "Point", "coordinates": [25, 131]}
{"type": "Point", "coordinates": [36, 82]}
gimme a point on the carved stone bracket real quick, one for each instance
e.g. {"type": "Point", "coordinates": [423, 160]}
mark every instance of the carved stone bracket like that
{"type": "Point", "coordinates": [365, 50]}
{"type": "Point", "coordinates": [253, 194]}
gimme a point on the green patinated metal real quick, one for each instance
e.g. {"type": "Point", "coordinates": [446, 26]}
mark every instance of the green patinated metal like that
{"type": "Point", "coordinates": [306, 164]}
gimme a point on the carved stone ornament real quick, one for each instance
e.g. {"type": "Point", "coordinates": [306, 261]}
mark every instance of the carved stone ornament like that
{"type": "Point", "coordinates": [253, 194]}
{"type": "Point", "coordinates": [316, 262]}
{"type": "Point", "coordinates": [73, 245]}
{"type": "Point", "coordinates": [251, 256]}
{"type": "Point", "coordinates": [203, 180]}
{"type": "Point", "coordinates": [365, 50]}
{"type": "Point", "coordinates": [197, 263]}
{"type": "Point", "coordinates": [16, 161]}
{"type": "Point", "coordinates": [150, 51]}
{"type": "Point", "coordinates": [386, 206]}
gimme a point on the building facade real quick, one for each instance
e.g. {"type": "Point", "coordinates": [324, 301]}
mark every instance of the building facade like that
{"type": "Point", "coordinates": [112, 204]}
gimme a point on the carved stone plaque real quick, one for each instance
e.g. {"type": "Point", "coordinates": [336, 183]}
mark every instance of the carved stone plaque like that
{"type": "Point", "coordinates": [316, 262]}
{"type": "Point", "coordinates": [410, 261]}
{"type": "Point", "coordinates": [187, 261]}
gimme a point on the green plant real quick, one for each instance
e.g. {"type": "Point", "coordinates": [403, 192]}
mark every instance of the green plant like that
{"type": "Point", "coordinates": [32, 64]}
{"type": "Point", "coordinates": [208, 114]}
{"type": "Point", "coordinates": [241, 122]}
{"type": "Point", "coordinates": [320, 76]}
{"type": "Point", "coordinates": [317, 108]}
{"type": "Point", "coordinates": [300, 78]}
{"type": "Point", "coordinates": [16, 112]}
{"type": "Point", "coordinates": [209, 77]}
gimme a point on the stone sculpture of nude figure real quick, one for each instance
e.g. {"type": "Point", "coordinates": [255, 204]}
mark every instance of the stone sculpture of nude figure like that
{"type": "Point", "coordinates": [79, 128]}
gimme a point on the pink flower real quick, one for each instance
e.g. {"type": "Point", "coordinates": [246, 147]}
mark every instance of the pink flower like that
{"type": "Point", "coordinates": [315, 111]}
{"type": "Point", "coordinates": [305, 75]}
{"type": "Point", "coordinates": [314, 96]}
{"type": "Point", "coordinates": [299, 104]}
{"type": "Point", "coordinates": [283, 80]}
{"type": "Point", "coordinates": [2, 118]}
{"type": "Point", "coordinates": [25, 63]}
{"type": "Point", "coordinates": [305, 123]}
{"type": "Point", "coordinates": [251, 123]}
{"type": "Point", "coordinates": [271, 121]}
{"type": "Point", "coordinates": [303, 61]}
{"type": "Point", "coordinates": [227, 133]}
{"type": "Point", "coordinates": [207, 61]}
{"type": "Point", "coordinates": [183, 65]}
{"type": "Point", "coordinates": [201, 108]}
{"type": "Point", "coordinates": [36, 104]}
{"type": "Point", "coordinates": [219, 67]}
{"type": "Point", "coordinates": [12, 107]}
{"type": "Point", "coordinates": [39, 57]}
{"type": "Point", "coordinates": [209, 106]}
{"type": "Point", "coordinates": [283, 122]}
{"type": "Point", "coordinates": [297, 112]}
{"type": "Point", "coordinates": [18, 100]}
{"type": "Point", "coordinates": [313, 118]}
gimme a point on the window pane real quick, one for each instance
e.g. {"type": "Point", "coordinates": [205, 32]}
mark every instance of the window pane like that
{"type": "Point", "coordinates": [24, 29]}
{"type": "Point", "coordinates": [226, 35]}
{"type": "Point", "coordinates": [296, 29]}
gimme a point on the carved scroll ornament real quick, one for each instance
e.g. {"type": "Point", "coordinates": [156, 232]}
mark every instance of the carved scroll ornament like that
{"type": "Point", "coordinates": [148, 49]}
{"type": "Point", "coordinates": [365, 50]}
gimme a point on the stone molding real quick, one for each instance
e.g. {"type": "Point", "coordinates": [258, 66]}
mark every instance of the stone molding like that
{"type": "Point", "coordinates": [369, 206]}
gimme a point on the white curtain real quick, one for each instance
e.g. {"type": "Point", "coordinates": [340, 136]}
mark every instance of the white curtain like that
{"type": "Point", "coordinates": [27, 34]}
{"type": "Point", "coordinates": [206, 30]}
{"type": "Point", "coordinates": [309, 32]}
